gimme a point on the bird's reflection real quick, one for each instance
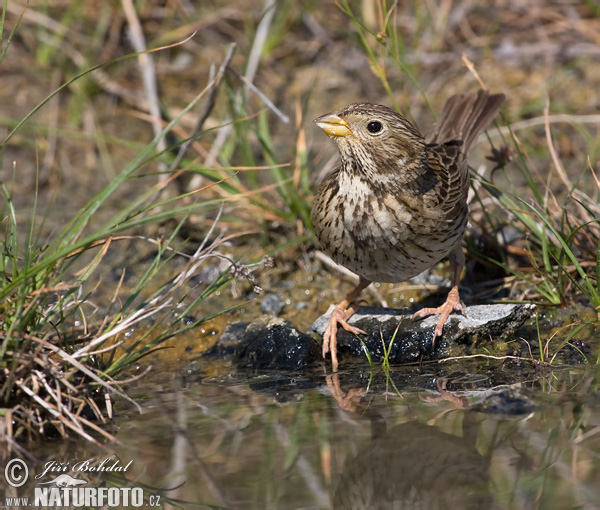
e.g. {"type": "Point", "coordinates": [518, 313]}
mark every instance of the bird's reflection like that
{"type": "Point", "coordinates": [412, 465]}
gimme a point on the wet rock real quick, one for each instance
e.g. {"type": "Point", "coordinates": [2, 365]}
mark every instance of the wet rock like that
{"type": "Point", "coordinates": [409, 340]}
{"type": "Point", "coordinates": [229, 340]}
{"type": "Point", "coordinates": [271, 304]}
{"type": "Point", "coordinates": [507, 403]}
{"type": "Point", "coordinates": [272, 343]}
{"type": "Point", "coordinates": [576, 352]}
{"type": "Point", "coordinates": [193, 369]}
{"type": "Point", "coordinates": [188, 320]}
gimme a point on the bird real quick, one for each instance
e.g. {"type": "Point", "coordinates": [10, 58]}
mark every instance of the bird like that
{"type": "Point", "coordinates": [397, 205]}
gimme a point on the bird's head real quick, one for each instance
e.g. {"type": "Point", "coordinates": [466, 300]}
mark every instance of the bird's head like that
{"type": "Point", "coordinates": [373, 139]}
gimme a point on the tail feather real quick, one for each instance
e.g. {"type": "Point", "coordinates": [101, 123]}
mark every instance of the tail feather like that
{"type": "Point", "coordinates": [465, 116]}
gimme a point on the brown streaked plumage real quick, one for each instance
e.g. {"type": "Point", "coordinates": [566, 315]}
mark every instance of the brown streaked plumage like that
{"type": "Point", "coordinates": [398, 203]}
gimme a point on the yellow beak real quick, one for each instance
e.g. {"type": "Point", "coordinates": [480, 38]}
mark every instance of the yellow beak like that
{"type": "Point", "coordinates": [333, 125]}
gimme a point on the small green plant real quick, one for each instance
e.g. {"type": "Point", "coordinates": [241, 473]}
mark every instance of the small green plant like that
{"type": "Point", "coordinates": [562, 240]}
{"type": "Point", "coordinates": [53, 357]}
{"type": "Point", "coordinates": [5, 45]}
{"type": "Point", "coordinates": [385, 365]}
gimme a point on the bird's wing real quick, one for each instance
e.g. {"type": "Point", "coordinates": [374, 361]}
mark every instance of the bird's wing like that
{"type": "Point", "coordinates": [464, 117]}
{"type": "Point", "coordinates": [449, 164]}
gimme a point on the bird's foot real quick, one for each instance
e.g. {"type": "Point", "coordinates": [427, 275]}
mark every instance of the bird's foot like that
{"type": "Point", "coordinates": [452, 304]}
{"type": "Point", "coordinates": [445, 394]}
{"type": "Point", "coordinates": [340, 316]}
{"type": "Point", "coordinates": [349, 402]}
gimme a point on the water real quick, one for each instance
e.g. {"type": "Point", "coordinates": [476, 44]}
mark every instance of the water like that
{"type": "Point", "coordinates": [356, 441]}
{"type": "Point", "coordinates": [476, 435]}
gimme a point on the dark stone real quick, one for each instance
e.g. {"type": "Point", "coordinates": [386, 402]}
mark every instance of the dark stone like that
{"type": "Point", "coordinates": [271, 304]}
{"type": "Point", "coordinates": [229, 340]}
{"type": "Point", "coordinates": [272, 343]}
{"type": "Point", "coordinates": [193, 369]}
{"type": "Point", "coordinates": [188, 320]}
{"type": "Point", "coordinates": [410, 341]}
{"type": "Point", "coordinates": [576, 352]}
{"type": "Point", "coordinates": [507, 403]}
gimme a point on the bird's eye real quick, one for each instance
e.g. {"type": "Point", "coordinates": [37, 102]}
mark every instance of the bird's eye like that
{"type": "Point", "coordinates": [374, 126]}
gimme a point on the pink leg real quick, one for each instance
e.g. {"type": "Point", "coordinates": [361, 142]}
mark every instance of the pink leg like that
{"type": "Point", "coordinates": [340, 315]}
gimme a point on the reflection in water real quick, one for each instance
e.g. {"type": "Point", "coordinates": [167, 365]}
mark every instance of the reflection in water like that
{"type": "Point", "coordinates": [414, 465]}
{"type": "Point", "coordinates": [359, 440]}
{"type": "Point", "coordinates": [411, 465]}
{"type": "Point", "coordinates": [353, 441]}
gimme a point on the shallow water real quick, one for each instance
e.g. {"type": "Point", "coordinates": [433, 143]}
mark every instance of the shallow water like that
{"type": "Point", "coordinates": [437, 436]}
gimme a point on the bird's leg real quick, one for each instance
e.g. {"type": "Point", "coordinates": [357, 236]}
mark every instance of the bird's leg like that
{"type": "Point", "coordinates": [452, 303]}
{"type": "Point", "coordinates": [340, 315]}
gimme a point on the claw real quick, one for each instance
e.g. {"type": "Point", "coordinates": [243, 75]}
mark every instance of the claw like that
{"type": "Point", "coordinates": [452, 304]}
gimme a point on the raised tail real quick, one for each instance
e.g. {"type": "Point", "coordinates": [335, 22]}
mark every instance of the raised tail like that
{"type": "Point", "coordinates": [464, 117]}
